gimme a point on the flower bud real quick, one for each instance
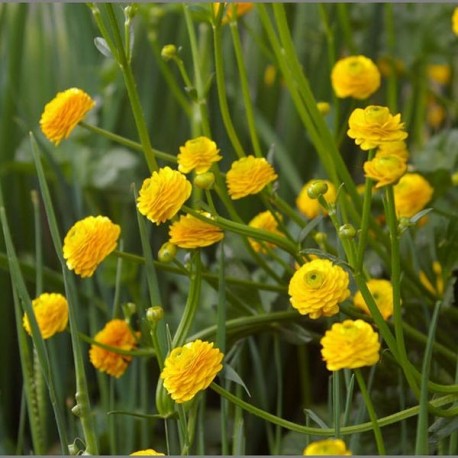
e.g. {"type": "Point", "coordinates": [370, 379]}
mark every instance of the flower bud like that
{"type": "Point", "coordinates": [164, 403]}
{"type": "Point", "coordinates": [155, 314]}
{"type": "Point", "coordinates": [169, 52]}
{"type": "Point", "coordinates": [403, 224]}
{"type": "Point", "coordinates": [323, 107]}
{"type": "Point", "coordinates": [320, 237]}
{"type": "Point", "coordinates": [347, 231]}
{"type": "Point", "coordinates": [129, 309]}
{"type": "Point", "coordinates": [167, 252]}
{"type": "Point", "coordinates": [76, 410]}
{"type": "Point", "coordinates": [204, 180]}
{"type": "Point", "coordinates": [73, 449]}
{"type": "Point", "coordinates": [455, 179]}
{"type": "Point", "coordinates": [317, 188]}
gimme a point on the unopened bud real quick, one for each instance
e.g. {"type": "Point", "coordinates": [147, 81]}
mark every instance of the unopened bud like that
{"type": "Point", "coordinates": [347, 231]}
{"type": "Point", "coordinates": [169, 52]}
{"type": "Point", "coordinates": [323, 107]}
{"type": "Point", "coordinates": [205, 180]}
{"type": "Point", "coordinates": [129, 308]}
{"type": "Point", "coordinates": [155, 314]}
{"type": "Point", "coordinates": [404, 224]}
{"type": "Point", "coordinates": [167, 252]}
{"type": "Point", "coordinates": [76, 410]}
{"type": "Point", "coordinates": [455, 179]}
{"type": "Point", "coordinates": [316, 189]}
{"type": "Point", "coordinates": [320, 237]}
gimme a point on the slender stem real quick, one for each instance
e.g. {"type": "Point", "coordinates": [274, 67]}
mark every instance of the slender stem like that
{"type": "Point", "coordinates": [201, 118]}
{"type": "Point", "coordinates": [245, 88]}
{"type": "Point", "coordinates": [126, 142]}
{"type": "Point", "coordinates": [363, 427]}
{"type": "Point", "coordinates": [371, 411]}
{"type": "Point", "coordinates": [191, 303]}
{"type": "Point", "coordinates": [336, 401]}
{"type": "Point", "coordinates": [390, 212]}
{"type": "Point", "coordinates": [222, 96]}
{"type": "Point", "coordinates": [131, 90]}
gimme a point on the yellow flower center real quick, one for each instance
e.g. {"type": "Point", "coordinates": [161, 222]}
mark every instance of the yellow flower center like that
{"type": "Point", "coordinates": [377, 115]}
{"type": "Point", "coordinates": [314, 279]}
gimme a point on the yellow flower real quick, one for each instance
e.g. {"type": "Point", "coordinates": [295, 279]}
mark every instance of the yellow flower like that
{"type": "Point", "coordinates": [88, 242]}
{"type": "Point", "coordinates": [350, 345]}
{"type": "Point", "coordinates": [148, 451]}
{"type": "Point", "coordinates": [51, 313]}
{"type": "Point", "coordinates": [385, 169]}
{"type": "Point", "coordinates": [438, 288]}
{"type": "Point", "coordinates": [355, 76]}
{"type": "Point", "coordinates": [455, 21]}
{"type": "Point", "coordinates": [266, 221]}
{"type": "Point", "coordinates": [318, 287]}
{"type": "Point", "coordinates": [116, 333]}
{"type": "Point", "coordinates": [63, 113]}
{"type": "Point", "coordinates": [436, 114]}
{"type": "Point", "coordinates": [398, 149]}
{"type": "Point", "coordinates": [190, 369]}
{"type": "Point", "coordinates": [191, 232]}
{"type": "Point", "coordinates": [241, 9]}
{"type": "Point", "coordinates": [327, 447]}
{"type": "Point", "coordinates": [311, 208]}
{"type": "Point", "coordinates": [163, 194]}
{"type": "Point", "coordinates": [198, 154]}
{"type": "Point", "coordinates": [375, 125]}
{"type": "Point", "coordinates": [382, 292]}
{"type": "Point", "coordinates": [249, 175]}
{"type": "Point", "coordinates": [439, 73]}
{"type": "Point", "coordinates": [411, 194]}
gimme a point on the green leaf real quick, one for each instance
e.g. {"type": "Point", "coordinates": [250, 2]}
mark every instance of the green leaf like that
{"type": "Point", "coordinates": [102, 46]}
{"type": "Point", "coordinates": [229, 373]}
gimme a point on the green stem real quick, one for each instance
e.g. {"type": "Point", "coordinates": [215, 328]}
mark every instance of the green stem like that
{"type": "Point", "coordinates": [329, 432]}
{"type": "Point", "coordinates": [131, 89]}
{"type": "Point", "coordinates": [390, 212]}
{"type": "Point", "coordinates": [245, 88]}
{"type": "Point", "coordinates": [202, 117]}
{"type": "Point", "coordinates": [336, 405]}
{"type": "Point", "coordinates": [192, 302]}
{"type": "Point", "coordinates": [222, 96]}
{"type": "Point", "coordinates": [126, 142]}
{"type": "Point", "coordinates": [82, 393]}
{"type": "Point", "coordinates": [365, 218]}
{"type": "Point", "coordinates": [371, 411]}
{"type": "Point", "coordinates": [421, 446]}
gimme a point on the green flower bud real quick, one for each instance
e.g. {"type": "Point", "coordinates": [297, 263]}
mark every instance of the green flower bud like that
{"type": "Point", "coordinates": [205, 180]}
{"type": "Point", "coordinates": [164, 403]}
{"type": "Point", "coordinates": [455, 179]}
{"type": "Point", "coordinates": [347, 231]}
{"type": "Point", "coordinates": [320, 237]}
{"type": "Point", "coordinates": [76, 410]}
{"type": "Point", "coordinates": [323, 107]}
{"type": "Point", "coordinates": [155, 314]}
{"type": "Point", "coordinates": [169, 52]}
{"type": "Point", "coordinates": [129, 309]}
{"type": "Point", "coordinates": [167, 252]}
{"type": "Point", "coordinates": [317, 188]}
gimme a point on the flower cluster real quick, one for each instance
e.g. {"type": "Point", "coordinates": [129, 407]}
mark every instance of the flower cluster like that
{"type": "Point", "coordinates": [318, 287]}
{"type": "Point", "coordinates": [192, 232]}
{"type": "Point", "coordinates": [163, 194]}
{"type": "Point", "coordinates": [266, 221]}
{"type": "Point", "coordinates": [382, 292]}
{"type": "Point", "coordinates": [88, 242]}
{"type": "Point", "coordinates": [355, 76]}
{"type": "Point", "coordinates": [51, 313]}
{"type": "Point", "coordinates": [63, 113]}
{"type": "Point", "coordinates": [190, 369]}
{"type": "Point", "coordinates": [327, 447]}
{"type": "Point", "coordinates": [116, 333]}
{"type": "Point", "coordinates": [249, 175]}
{"type": "Point", "coordinates": [350, 345]}
{"type": "Point", "coordinates": [311, 208]}
{"type": "Point", "coordinates": [198, 154]}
